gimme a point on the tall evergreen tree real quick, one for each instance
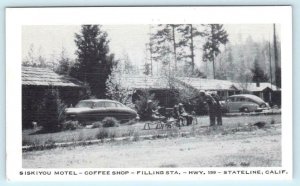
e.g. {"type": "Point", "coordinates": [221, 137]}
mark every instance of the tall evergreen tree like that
{"type": "Point", "coordinates": [258, 74]}
{"type": "Point", "coordinates": [163, 43]}
{"type": "Point", "coordinates": [94, 63]}
{"type": "Point", "coordinates": [188, 33]}
{"type": "Point", "coordinates": [216, 35]}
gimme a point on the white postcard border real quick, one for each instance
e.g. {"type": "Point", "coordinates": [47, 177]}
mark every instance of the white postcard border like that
{"type": "Point", "coordinates": [17, 17]}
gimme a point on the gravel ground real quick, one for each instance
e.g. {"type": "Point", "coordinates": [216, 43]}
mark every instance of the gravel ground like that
{"type": "Point", "coordinates": [257, 148]}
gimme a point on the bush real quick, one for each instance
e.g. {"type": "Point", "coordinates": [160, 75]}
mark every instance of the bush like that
{"type": "Point", "coordinates": [110, 122]}
{"type": "Point", "coordinates": [69, 125]}
{"type": "Point", "coordinates": [102, 133]}
{"type": "Point", "coordinates": [272, 121]}
{"type": "Point", "coordinates": [54, 107]}
{"type": "Point", "coordinates": [96, 124]}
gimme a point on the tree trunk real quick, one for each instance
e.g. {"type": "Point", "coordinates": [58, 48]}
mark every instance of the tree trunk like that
{"type": "Point", "coordinates": [151, 61]}
{"type": "Point", "coordinates": [174, 46]}
{"type": "Point", "coordinates": [192, 48]}
{"type": "Point", "coordinates": [277, 81]}
{"type": "Point", "coordinates": [213, 62]}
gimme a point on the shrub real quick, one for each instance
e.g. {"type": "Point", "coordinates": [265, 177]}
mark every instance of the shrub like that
{"type": "Point", "coordinates": [69, 125]}
{"type": "Point", "coordinates": [110, 122]}
{"type": "Point", "coordinates": [96, 124]}
{"type": "Point", "coordinates": [102, 133]}
{"type": "Point", "coordinates": [272, 121]}
{"type": "Point", "coordinates": [54, 107]}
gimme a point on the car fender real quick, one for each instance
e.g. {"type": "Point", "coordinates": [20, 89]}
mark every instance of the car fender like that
{"type": "Point", "coordinates": [250, 106]}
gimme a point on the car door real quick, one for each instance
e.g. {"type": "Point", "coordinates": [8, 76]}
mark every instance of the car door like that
{"type": "Point", "coordinates": [251, 105]}
{"type": "Point", "coordinates": [111, 110]}
{"type": "Point", "coordinates": [99, 111]}
{"type": "Point", "coordinates": [232, 104]}
{"type": "Point", "coordinates": [125, 113]}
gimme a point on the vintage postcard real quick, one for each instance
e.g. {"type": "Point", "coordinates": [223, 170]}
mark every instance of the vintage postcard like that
{"type": "Point", "coordinates": [140, 93]}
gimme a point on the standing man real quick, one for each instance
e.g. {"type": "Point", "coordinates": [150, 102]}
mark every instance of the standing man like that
{"type": "Point", "coordinates": [211, 107]}
{"type": "Point", "coordinates": [218, 109]}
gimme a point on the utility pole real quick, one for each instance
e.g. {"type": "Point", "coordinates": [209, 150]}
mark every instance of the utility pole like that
{"type": "Point", "coordinates": [275, 56]}
{"type": "Point", "coordinates": [270, 62]}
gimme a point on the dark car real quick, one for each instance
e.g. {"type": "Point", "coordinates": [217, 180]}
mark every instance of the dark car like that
{"type": "Point", "coordinates": [98, 109]}
{"type": "Point", "coordinates": [244, 103]}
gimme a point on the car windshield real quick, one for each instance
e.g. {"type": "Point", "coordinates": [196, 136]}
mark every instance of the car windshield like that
{"type": "Point", "coordinates": [100, 104]}
{"type": "Point", "coordinates": [84, 104]}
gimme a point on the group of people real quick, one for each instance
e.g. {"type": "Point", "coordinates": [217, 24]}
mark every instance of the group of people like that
{"type": "Point", "coordinates": [214, 107]}
{"type": "Point", "coordinates": [179, 113]}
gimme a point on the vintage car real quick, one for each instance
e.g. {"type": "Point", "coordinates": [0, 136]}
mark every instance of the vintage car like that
{"type": "Point", "coordinates": [98, 109]}
{"type": "Point", "coordinates": [244, 103]}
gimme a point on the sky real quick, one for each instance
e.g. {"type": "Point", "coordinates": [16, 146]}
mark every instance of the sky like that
{"type": "Point", "coordinates": [48, 40]}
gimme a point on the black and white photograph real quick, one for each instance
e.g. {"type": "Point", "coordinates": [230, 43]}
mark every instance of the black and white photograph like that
{"type": "Point", "coordinates": [161, 96]}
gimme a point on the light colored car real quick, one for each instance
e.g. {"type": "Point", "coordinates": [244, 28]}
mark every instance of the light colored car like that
{"type": "Point", "coordinates": [98, 109]}
{"type": "Point", "coordinates": [244, 103]}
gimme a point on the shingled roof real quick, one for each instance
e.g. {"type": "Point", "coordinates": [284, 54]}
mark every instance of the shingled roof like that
{"type": "Point", "coordinates": [262, 86]}
{"type": "Point", "coordinates": [208, 84]}
{"type": "Point", "coordinates": [46, 77]}
{"type": "Point", "coordinates": [144, 82]}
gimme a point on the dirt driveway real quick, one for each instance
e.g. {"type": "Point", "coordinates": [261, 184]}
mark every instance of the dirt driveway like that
{"type": "Point", "coordinates": [258, 148]}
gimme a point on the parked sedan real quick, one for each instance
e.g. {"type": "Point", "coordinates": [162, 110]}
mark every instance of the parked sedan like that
{"type": "Point", "coordinates": [245, 103]}
{"type": "Point", "coordinates": [98, 109]}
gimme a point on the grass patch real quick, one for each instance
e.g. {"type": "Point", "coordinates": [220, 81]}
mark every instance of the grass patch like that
{"type": "Point", "coordinates": [136, 136]}
{"type": "Point", "coordinates": [230, 126]}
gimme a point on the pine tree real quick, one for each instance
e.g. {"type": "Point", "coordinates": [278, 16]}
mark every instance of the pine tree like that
{"type": "Point", "coordinates": [258, 74]}
{"type": "Point", "coordinates": [188, 33]}
{"type": "Point", "coordinates": [94, 63]}
{"type": "Point", "coordinates": [216, 35]}
{"type": "Point", "coordinates": [163, 43]}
